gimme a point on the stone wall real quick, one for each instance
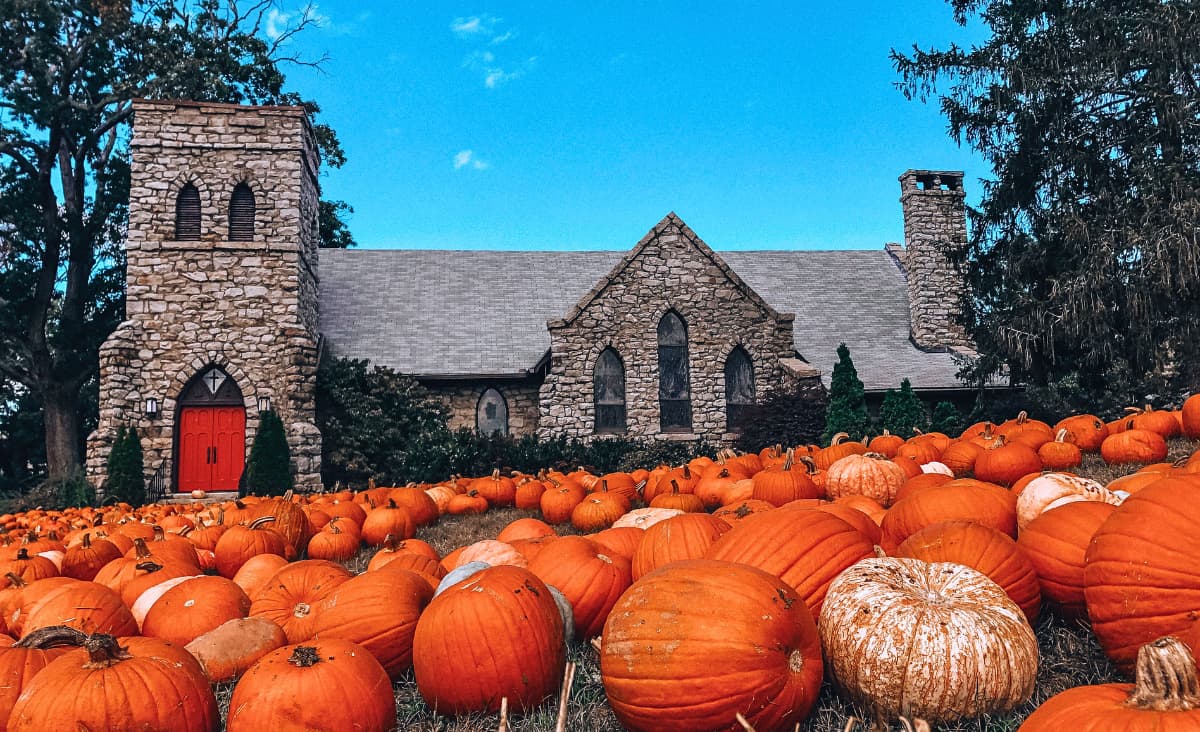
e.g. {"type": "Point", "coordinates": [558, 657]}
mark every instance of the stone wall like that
{"type": "Point", "coordinates": [671, 268]}
{"type": "Point", "coordinates": [935, 223]}
{"type": "Point", "coordinates": [462, 398]}
{"type": "Point", "coordinates": [248, 307]}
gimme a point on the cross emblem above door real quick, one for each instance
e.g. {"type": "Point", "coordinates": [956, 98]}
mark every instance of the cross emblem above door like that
{"type": "Point", "coordinates": [213, 380]}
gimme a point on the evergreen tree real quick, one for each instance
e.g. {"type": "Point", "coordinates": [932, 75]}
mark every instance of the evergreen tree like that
{"type": "Point", "coordinates": [847, 410]}
{"type": "Point", "coordinates": [269, 469]}
{"type": "Point", "coordinates": [902, 411]}
{"type": "Point", "coordinates": [946, 420]}
{"type": "Point", "coordinates": [126, 471]}
{"type": "Point", "coordinates": [1084, 257]}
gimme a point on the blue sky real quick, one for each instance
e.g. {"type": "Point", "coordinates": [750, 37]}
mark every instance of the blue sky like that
{"type": "Point", "coordinates": [505, 125]}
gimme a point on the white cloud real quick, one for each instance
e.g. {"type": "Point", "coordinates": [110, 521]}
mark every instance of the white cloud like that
{"type": "Point", "coordinates": [467, 159]}
{"type": "Point", "coordinates": [475, 25]}
{"type": "Point", "coordinates": [277, 23]}
{"type": "Point", "coordinates": [493, 73]}
{"type": "Point", "coordinates": [484, 31]}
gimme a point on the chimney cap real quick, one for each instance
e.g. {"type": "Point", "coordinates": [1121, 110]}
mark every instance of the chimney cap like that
{"type": "Point", "coordinates": [932, 181]}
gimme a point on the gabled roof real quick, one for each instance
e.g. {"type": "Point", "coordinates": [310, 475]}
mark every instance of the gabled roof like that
{"type": "Point", "coordinates": [445, 313]}
{"type": "Point", "coordinates": [670, 220]}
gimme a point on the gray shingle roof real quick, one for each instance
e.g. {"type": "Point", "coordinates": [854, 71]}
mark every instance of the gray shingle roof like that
{"type": "Point", "coordinates": [446, 313]}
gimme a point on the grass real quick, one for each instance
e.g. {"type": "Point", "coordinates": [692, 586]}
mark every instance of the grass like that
{"type": "Point", "coordinates": [1069, 655]}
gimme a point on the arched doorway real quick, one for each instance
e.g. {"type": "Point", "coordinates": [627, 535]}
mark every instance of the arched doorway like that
{"type": "Point", "coordinates": [210, 433]}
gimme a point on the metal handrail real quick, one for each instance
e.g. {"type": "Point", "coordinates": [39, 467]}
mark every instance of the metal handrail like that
{"type": "Point", "coordinates": [156, 489]}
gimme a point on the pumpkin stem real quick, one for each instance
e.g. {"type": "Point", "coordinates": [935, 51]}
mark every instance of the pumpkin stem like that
{"type": "Point", "coordinates": [837, 439]}
{"type": "Point", "coordinates": [304, 657]}
{"type": "Point", "coordinates": [23, 554]}
{"type": "Point", "coordinates": [687, 472]}
{"type": "Point", "coordinates": [15, 580]}
{"type": "Point", "coordinates": [87, 541]}
{"type": "Point", "coordinates": [789, 460]}
{"type": "Point", "coordinates": [141, 551]}
{"type": "Point", "coordinates": [261, 521]}
{"type": "Point", "coordinates": [148, 567]}
{"type": "Point", "coordinates": [742, 721]}
{"type": "Point", "coordinates": [1062, 435]}
{"type": "Point", "coordinates": [52, 636]}
{"type": "Point", "coordinates": [104, 651]}
{"type": "Point", "coordinates": [674, 487]}
{"type": "Point", "coordinates": [1165, 678]}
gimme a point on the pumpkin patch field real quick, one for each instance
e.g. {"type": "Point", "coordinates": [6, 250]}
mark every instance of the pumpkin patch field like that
{"type": "Point", "coordinates": [1020, 575]}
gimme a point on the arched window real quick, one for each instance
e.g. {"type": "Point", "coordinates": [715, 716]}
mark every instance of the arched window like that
{"type": "Point", "coordinates": [674, 395]}
{"type": "Point", "coordinates": [241, 214]}
{"type": "Point", "coordinates": [739, 386]}
{"type": "Point", "coordinates": [187, 213]}
{"type": "Point", "coordinates": [491, 414]}
{"type": "Point", "coordinates": [608, 389]}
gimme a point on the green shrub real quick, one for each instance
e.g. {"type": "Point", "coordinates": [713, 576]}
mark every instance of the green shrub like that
{"type": "Point", "coordinates": [126, 480]}
{"type": "Point", "coordinates": [847, 410]}
{"type": "Point", "coordinates": [902, 412]}
{"type": "Point", "coordinates": [789, 418]}
{"type": "Point", "coordinates": [269, 469]}
{"type": "Point", "coordinates": [946, 420]}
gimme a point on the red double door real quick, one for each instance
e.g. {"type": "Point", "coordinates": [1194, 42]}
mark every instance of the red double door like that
{"type": "Point", "coordinates": [212, 448]}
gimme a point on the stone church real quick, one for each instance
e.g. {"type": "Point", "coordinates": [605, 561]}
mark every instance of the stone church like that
{"type": "Point", "coordinates": [231, 307]}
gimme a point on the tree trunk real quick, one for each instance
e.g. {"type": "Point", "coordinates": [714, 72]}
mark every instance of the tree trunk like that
{"type": "Point", "coordinates": [64, 453]}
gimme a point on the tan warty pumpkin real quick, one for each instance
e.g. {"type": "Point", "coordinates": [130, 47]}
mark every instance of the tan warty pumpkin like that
{"type": "Point", "coordinates": [932, 640]}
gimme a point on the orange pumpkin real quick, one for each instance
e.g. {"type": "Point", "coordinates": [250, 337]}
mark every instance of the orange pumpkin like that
{"type": "Point", "coordinates": [724, 639]}
{"type": "Point", "coordinates": [496, 634]}
{"type": "Point", "coordinates": [324, 684]}
{"type": "Point", "coordinates": [136, 683]}
{"type": "Point", "coordinates": [1056, 542]}
{"type": "Point", "coordinates": [1141, 578]}
{"type": "Point", "coordinates": [590, 580]}
{"type": "Point", "coordinates": [871, 475]}
{"type": "Point", "coordinates": [984, 549]}
{"type": "Point", "coordinates": [1133, 446]}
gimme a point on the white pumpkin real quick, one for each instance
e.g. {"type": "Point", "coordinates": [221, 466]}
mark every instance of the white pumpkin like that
{"type": "Point", "coordinates": [1056, 489]}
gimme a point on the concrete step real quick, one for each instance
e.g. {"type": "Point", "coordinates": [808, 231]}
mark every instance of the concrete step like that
{"type": "Point", "coordinates": [210, 497]}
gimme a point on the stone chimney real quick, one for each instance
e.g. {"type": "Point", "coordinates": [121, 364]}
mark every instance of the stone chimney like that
{"type": "Point", "coordinates": [935, 223]}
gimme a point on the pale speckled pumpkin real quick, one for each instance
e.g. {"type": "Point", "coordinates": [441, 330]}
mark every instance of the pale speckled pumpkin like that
{"type": "Point", "coordinates": [871, 475]}
{"type": "Point", "coordinates": [937, 641]}
{"type": "Point", "coordinates": [1056, 489]}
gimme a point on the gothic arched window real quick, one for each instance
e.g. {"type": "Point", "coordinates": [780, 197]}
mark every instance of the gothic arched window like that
{"type": "Point", "coordinates": [674, 394]}
{"type": "Point", "coordinates": [187, 213]}
{"type": "Point", "coordinates": [739, 386]}
{"type": "Point", "coordinates": [608, 390]}
{"type": "Point", "coordinates": [491, 413]}
{"type": "Point", "coordinates": [241, 214]}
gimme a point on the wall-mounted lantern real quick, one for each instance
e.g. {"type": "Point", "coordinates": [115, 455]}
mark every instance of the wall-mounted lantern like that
{"type": "Point", "coordinates": [264, 403]}
{"type": "Point", "coordinates": [151, 407]}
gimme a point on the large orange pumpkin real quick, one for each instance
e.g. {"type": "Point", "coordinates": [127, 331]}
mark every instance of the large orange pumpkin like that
{"type": "Point", "coordinates": [871, 475]}
{"type": "Point", "coordinates": [1133, 446]}
{"type": "Point", "coordinates": [1142, 577]}
{"type": "Point", "coordinates": [327, 684]}
{"type": "Point", "coordinates": [1163, 698]}
{"type": "Point", "coordinates": [805, 548]}
{"type": "Point", "coordinates": [293, 594]}
{"type": "Point", "coordinates": [1056, 543]}
{"type": "Point", "coordinates": [982, 503]}
{"type": "Point", "coordinates": [378, 611]}
{"type": "Point", "coordinates": [137, 683]}
{"type": "Point", "coordinates": [683, 537]}
{"type": "Point", "coordinates": [194, 607]}
{"type": "Point", "coordinates": [984, 549]}
{"type": "Point", "coordinates": [590, 579]}
{"type": "Point", "coordinates": [694, 643]}
{"type": "Point", "coordinates": [496, 634]}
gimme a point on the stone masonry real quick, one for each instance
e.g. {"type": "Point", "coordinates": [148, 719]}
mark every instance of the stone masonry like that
{"type": "Point", "coordinates": [671, 268]}
{"type": "Point", "coordinates": [248, 307]}
{"type": "Point", "coordinates": [935, 224]}
{"type": "Point", "coordinates": [462, 399]}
